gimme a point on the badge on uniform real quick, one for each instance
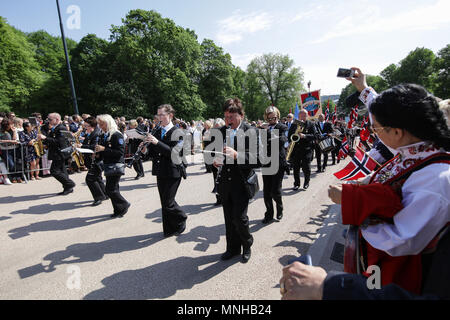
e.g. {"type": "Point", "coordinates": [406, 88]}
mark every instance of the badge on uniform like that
{"type": "Point", "coordinates": [120, 141]}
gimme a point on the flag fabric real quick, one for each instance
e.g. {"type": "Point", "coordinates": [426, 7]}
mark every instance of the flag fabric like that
{"type": "Point", "coordinates": [353, 117]}
{"type": "Point", "coordinates": [297, 111]}
{"type": "Point", "coordinates": [334, 115]}
{"type": "Point", "coordinates": [344, 150]}
{"type": "Point", "coordinates": [327, 111]}
{"type": "Point", "coordinates": [311, 103]}
{"type": "Point", "coordinates": [360, 166]}
{"type": "Point", "coordinates": [365, 133]}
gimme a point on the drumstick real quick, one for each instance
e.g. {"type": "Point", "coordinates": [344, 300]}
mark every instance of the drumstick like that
{"type": "Point", "coordinates": [216, 152]}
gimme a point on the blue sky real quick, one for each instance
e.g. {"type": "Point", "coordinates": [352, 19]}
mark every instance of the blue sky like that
{"type": "Point", "coordinates": [320, 36]}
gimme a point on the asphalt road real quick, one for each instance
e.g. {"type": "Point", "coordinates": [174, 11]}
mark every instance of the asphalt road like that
{"type": "Point", "coordinates": [59, 247]}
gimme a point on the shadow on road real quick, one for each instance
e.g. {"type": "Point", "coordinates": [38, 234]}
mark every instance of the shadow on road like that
{"type": "Point", "coordinates": [301, 246]}
{"type": "Point", "coordinates": [161, 280]}
{"type": "Point", "coordinates": [84, 252]}
{"type": "Point", "coordinates": [54, 225]}
{"type": "Point", "coordinates": [31, 197]}
{"type": "Point", "coordinates": [47, 208]}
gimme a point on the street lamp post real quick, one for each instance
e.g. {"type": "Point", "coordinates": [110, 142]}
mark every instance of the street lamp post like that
{"type": "Point", "coordinates": [69, 70]}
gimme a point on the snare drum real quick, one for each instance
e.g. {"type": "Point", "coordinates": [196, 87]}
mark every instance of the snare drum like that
{"type": "Point", "coordinates": [326, 145]}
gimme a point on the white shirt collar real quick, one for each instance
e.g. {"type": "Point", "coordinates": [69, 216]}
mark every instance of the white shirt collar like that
{"type": "Point", "coordinates": [168, 127]}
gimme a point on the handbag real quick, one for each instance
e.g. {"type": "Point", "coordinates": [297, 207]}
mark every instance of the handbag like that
{"type": "Point", "coordinates": [114, 169]}
{"type": "Point", "coordinates": [251, 184]}
{"type": "Point", "coordinates": [66, 153]}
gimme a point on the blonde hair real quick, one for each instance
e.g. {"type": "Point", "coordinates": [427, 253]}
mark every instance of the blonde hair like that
{"type": "Point", "coordinates": [133, 123]}
{"type": "Point", "coordinates": [111, 126]}
{"type": "Point", "coordinates": [444, 105]}
{"type": "Point", "coordinates": [271, 109]}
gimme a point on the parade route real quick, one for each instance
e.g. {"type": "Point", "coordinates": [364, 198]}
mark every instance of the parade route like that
{"type": "Point", "coordinates": [59, 247]}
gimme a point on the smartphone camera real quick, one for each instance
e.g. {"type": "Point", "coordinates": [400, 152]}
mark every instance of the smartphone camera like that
{"type": "Point", "coordinates": [345, 73]}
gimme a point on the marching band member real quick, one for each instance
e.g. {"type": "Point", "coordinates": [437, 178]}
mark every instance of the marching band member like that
{"type": "Point", "coordinates": [272, 183]}
{"type": "Point", "coordinates": [235, 170]}
{"type": "Point", "coordinates": [56, 142]}
{"type": "Point", "coordinates": [111, 149]}
{"type": "Point", "coordinates": [303, 150]}
{"type": "Point", "coordinates": [161, 146]}
{"type": "Point", "coordinates": [94, 179]}
{"type": "Point", "coordinates": [324, 130]}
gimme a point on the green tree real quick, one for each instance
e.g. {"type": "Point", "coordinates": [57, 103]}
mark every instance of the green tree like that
{"type": "Point", "coordinates": [216, 78]}
{"type": "Point", "coordinates": [278, 80]}
{"type": "Point", "coordinates": [160, 60]}
{"type": "Point", "coordinates": [442, 69]}
{"type": "Point", "coordinates": [416, 68]}
{"type": "Point", "coordinates": [19, 72]}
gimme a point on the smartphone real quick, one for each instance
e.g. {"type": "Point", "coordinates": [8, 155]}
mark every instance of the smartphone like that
{"type": "Point", "coordinates": [305, 259]}
{"type": "Point", "coordinates": [345, 73]}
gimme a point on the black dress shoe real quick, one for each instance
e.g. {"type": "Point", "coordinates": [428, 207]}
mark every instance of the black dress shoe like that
{"type": "Point", "coordinates": [180, 231]}
{"type": "Point", "coordinates": [296, 188]}
{"type": "Point", "coordinates": [218, 203]}
{"type": "Point", "coordinates": [66, 192]}
{"type": "Point", "coordinates": [228, 255]}
{"type": "Point", "coordinates": [280, 215]}
{"type": "Point", "coordinates": [96, 203]}
{"type": "Point", "coordinates": [323, 169]}
{"type": "Point", "coordinates": [124, 212]}
{"type": "Point", "coordinates": [247, 253]}
{"type": "Point", "coordinates": [115, 215]}
{"type": "Point", "coordinates": [306, 186]}
{"type": "Point", "coordinates": [266, 220]}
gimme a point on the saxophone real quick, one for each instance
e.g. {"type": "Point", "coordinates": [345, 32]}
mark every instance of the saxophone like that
{"type": "Point", "coordinates": [76, 155]}
{"type": "Point", "coordinates": [39, 146]}
{"type": "Point", "coordinates": [295, 137]}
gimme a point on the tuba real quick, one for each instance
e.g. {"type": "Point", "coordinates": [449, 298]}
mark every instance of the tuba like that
{"type": "Point", "coordinates": [301, 125]}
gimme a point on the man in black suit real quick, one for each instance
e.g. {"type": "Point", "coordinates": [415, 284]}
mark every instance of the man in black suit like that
{"type": "Point", "coordinates": [94, 179]}
{"type": "Point", "coordinates": [56, 141]}
{"type": "Point", "coordinates": [166, 142]}
{"type": "Point", "coordinates": [303, 150]}
{"type": "Point", "coordinates": [273, 182]}
{"type": "Point", "coordinates": [324, 130]}
{"type": "Point", "coordinates": [234, 173]}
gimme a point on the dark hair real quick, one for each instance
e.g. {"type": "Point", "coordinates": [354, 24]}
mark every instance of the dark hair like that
{"type": "Point", "coordinates": [2, 114]}
{"type": "Point", "coordinates": [168, 108]}
{"type": "Point", "coordinates": [412, 108]}
{"type": "Point", "coordinates": [25, 125]}
{"type": "Point", "coordinates": [5, 123]}
{"type": "Point", "coordinates": [139, 120]}
{"type": "Point", "coordinates": [91, 121]}
{"type": "Point", "coordinates": [233, 106]}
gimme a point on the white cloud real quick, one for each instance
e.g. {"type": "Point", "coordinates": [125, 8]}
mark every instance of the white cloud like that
{"type": "Point", "coordinates": [371, 21]}
{"type": "Point", "coordinates": [233, 29]}
{"type": "Point", "coordinates": [243, 60]}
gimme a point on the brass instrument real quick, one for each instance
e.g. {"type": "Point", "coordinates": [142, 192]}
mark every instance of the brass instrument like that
{"type": "Point", "coordinates": [295, 137]}
{"type": "Point", "coordinates": [76, 155]}
{"type": "Point", "coordinates": [39, 146]}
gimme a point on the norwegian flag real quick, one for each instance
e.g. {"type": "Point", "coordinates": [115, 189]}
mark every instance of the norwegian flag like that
{"type": "Point", "coordinates": [360, 166]}
{"type": "Point", "coordinates": [353, 117]}
{"type": "Point", "coordinates": [327, 111]}
{"type": "Point", "coordinates": [344, 150]}
{"type": "Point", "coordinates": [333, 118]}
{"type": "Point", "coordinates": [365, 133]}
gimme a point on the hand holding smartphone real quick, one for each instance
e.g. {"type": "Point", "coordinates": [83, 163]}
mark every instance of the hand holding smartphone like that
{"type": "Point", "coordinates": [345, 73]}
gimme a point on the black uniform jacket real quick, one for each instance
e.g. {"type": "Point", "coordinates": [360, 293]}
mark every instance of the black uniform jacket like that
{"type": "Point", "coordinates": [114, 148]}
{"type": "Point", "coordinates": [161, 153]}
{"type": "Point", "coordinates": [267, 147]}
{"type": "Point", "coordinates": [241, 168]}
{"type": "Point", "coordinates": [56, 141]}
{"type": "Point", "coordinates": [305, 145]}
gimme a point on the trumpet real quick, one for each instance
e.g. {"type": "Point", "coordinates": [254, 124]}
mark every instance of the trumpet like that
{"type": "Point", "coordinates": [295, 137]}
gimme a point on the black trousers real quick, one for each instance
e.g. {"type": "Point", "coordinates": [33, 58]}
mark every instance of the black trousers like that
{"type": "Point", "coordinates": [95, 183]}
{"type": "Point", "coordinates": [173, 216]}
{"type": "Point", "coordinates": [335, 151]}
{"type": "Point", "coordinates": [138, 167]}
{"type": "Point", "coordinates": [319, 156]}
{"type": "Point", "coordinates": [112, 191]}
{"type": "Point", "coordinates": [235, 204]}
{"type": "Point", "coordinates": [302, 161]}
{"type": "Point", "coordinates": [58, 171]}
{"type": "Point", "coordinates": [272, 191]}
{"type": "Point", "coordinates": [214, 171]}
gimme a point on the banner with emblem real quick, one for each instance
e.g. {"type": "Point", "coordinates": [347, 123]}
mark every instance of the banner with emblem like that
{"type": "Point", "coordinates": [311, 103]}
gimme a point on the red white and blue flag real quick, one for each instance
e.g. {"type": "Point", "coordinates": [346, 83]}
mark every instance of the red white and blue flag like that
{"type": "Point", "coordinates": [365, 132]}
{"type": "Point", "coordinates": [360, 166]}
{"type": "Point", "coordinates": [353, 117]}
{"type": "Point", "coordinates": [311, 103]}
{"type": "Point", "coordinates": [327, 111]}
{"type": "Point", "coordinates": [344, 150]}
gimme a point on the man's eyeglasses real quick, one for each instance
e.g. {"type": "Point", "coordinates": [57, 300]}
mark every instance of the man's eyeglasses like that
{"type": "Point", "coordinates": [377, 129]}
